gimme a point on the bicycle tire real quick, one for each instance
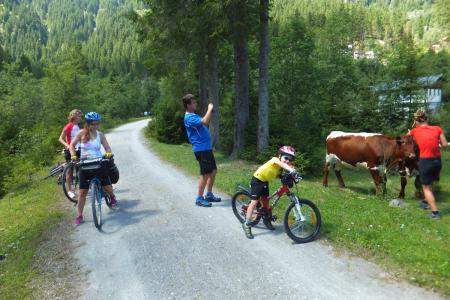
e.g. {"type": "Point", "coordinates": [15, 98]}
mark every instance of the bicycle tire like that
{"type": "Point", "coordinates": [238, 203]}
{"type": "Point", "coordinates": [74, 182]}
{"type": "Point", "coordinates": [96, 204]}
{"type": "Point", "coordinates": [306, 231]}
{"type": "Point", "coordinates": [107, 199]}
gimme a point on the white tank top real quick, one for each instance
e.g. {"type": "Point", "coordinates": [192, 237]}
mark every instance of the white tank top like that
{"type": "Point", "coordinates": [91, 149]}
{"type": "Point", "coordinates": [73, 134]}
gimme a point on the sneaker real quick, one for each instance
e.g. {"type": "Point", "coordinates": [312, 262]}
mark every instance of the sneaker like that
{"type": "Point", "coordinates": [113, 200]}
{"type": "Point", "coordinates": [247, 230]}
{"type": "Point", "coordinates": [200, 201]}
{"type": "Point", "coordinates": [211, 198]}
{"type": "Point", "coordinates": [435, 216]}
{"type": "Point", "coordinates": [71, 194]}
{"type": "Point", "coordinates": [424, 205]}
{"type": "Point", "coordinates": [78, 220]}
{"type": "Point", "coordinates": [268, 224]}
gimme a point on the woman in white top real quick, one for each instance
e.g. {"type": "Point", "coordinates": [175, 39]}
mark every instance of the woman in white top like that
{"type": "Point", "coordinates": [91, 141]}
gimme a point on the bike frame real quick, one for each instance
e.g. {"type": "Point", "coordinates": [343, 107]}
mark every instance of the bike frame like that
{"type": "Point", "coordinates": [276, 196]}
{"type": "Point", "coordinates": [97, 182]}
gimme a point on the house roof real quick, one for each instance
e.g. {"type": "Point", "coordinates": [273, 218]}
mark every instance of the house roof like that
{"type": "Point", "coordinates": [429, 80]}
{"type": "Point", "coordinates": [424, 81]}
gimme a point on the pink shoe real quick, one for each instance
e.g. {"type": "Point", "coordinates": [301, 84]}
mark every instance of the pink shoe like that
{"type": "Point", "coordinates": [78, 220]}
{"type": "Point", "coordinates": [113, 200]}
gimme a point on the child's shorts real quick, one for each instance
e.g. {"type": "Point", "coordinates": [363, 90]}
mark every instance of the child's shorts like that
{"type": "Point", "coordinates": [259, 188]}
{"type": "Point", "coordinates": [206, 161]}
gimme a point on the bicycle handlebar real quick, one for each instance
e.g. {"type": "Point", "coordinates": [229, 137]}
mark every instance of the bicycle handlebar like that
{"type": "Point", "coordinates": [290, 178]}
{"type": "Point", "coordinates": [93, 160]}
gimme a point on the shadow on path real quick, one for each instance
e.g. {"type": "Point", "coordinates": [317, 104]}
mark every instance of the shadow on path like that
{"type": "Point", "coordinates": [124, 215]}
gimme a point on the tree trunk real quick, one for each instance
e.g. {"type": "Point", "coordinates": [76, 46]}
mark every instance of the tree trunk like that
{"type": "Point", "coordinates": [213, 89]}
{"type": "Point", "coordinates": [263, 96]}
{"type": "Point", "coordinates": [240, 80]}
{"type": "Point", "coordinates": [203, 83]}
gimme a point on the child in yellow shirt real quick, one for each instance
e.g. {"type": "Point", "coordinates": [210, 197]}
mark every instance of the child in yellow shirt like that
{"type": "Point", "coordinates": [260, 185]}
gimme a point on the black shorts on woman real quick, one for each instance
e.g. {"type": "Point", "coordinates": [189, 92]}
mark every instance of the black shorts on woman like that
{"type": "Point", "coordinates": [258, 188]}
{"type": "Point", "coordinates": [429, 169]}
{"type": "Point", "coordinates": [67, 155]}
{"type": "Point", "coordinates": [206, 161]}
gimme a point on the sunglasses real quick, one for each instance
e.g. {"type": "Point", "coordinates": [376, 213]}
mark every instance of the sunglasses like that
{"type": "Point", "coordinates": [94, 124]}
{"type": "Point", "coordinates": [288, 158]}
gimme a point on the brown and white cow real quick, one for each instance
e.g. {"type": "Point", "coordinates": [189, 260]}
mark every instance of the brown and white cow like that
{"type": "Point", "coordinates": [411, 169]}
{"type": "Point", "coordinates": [376, 152]}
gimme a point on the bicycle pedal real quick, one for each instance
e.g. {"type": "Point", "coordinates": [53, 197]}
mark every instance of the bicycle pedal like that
{"type": "Point", "coordinates": [274, 218]}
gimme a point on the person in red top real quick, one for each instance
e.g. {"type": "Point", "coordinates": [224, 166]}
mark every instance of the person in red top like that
{"type": "Point", "coordinates": [429, 139]}
{"type": "Point", "coordinates": [68, 133]}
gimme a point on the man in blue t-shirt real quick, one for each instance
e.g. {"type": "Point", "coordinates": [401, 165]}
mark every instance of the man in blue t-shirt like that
{"type": "Point", "coordinates": [199, 137]}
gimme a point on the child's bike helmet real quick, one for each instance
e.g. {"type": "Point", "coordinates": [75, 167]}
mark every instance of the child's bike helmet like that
{"type": "Point", "coordinates": [287, 150]}
{"type": "Point", "coordinates": [92, 117]}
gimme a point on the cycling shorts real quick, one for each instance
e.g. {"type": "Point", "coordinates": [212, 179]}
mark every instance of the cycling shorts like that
{"type": "Point", "coordinates": [259, 188]}
{"type": "Point", "coordinates": [206, 161]}
{"type": "Point", "coordinates": [429, 169]}
{"type": "Point", "coordinates": [68, 157]}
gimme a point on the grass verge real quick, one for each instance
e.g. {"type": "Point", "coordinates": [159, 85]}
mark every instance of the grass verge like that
{"type": "Point", "coordinates": [402, 240]}
{"type": "Point", "coordinates": [24, 216]}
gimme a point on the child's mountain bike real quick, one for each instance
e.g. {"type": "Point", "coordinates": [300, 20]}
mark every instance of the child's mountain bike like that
{"type": "Point", "coordinates": [301, 218]}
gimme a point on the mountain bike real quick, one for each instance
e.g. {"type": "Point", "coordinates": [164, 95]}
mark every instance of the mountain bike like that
{"type": "Point", "coordinates": [72, 185]}
{"type": "Point", "coordinates": [56, 170]}
{"type": "Point", "coordinates": [97, 194]}
{"type": "Point", "coordinates": [302, 219]}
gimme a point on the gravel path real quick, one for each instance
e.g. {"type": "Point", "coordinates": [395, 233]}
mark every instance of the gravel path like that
{"type": "Point", "coordinates": [159, 245]}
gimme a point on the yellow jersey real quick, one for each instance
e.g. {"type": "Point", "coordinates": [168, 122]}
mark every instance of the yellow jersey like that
{"type": "Point", "coordinates": [268, 171]}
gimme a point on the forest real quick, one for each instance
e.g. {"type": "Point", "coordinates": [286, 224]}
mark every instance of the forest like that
{"type": "Point", "coordinates": [278, 72]}
{"type": "Point", "coordinates": [289, 72]}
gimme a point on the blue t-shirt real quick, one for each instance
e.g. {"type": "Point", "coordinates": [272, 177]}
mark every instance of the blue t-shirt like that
{"type": "Point", "coordinates": [198, 134]}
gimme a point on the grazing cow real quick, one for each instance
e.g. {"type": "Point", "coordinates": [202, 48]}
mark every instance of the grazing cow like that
{"type": "Point", "coordinates": [376, 152]}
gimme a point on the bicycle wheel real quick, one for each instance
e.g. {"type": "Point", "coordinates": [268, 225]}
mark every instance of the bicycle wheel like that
{"type": "Point", "coordinates": [239, 203]}
{"type": "Point", "coordinates": [306, 230]}
{"type": "Point", "coordinates": [107, 199]}
{"type": "Point", "coordinates": [96, 203]}
{"type": "Point", "coordinates": [73, 182]}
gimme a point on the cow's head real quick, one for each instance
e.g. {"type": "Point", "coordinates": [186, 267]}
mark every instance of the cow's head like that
{"type": "Point", "coordinates": [405, 146]}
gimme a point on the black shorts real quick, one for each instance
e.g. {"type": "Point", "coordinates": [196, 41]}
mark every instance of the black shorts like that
{"type": "Point", "coordinates": [68, 157]}
{"type": "Point", "coordinates": [429, 169]}
{"type": "Point", "coordinates": [206, 161]}
{"type": "Point", "coordinates": [85, 176]}
{"type": "Point", "coordinates": [259, 188]}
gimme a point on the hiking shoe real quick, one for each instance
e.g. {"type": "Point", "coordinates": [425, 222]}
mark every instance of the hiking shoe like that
{"type": "Point", "coordinates": [78, 220]}
{"type": "Point", "coordinates": [247, 230]}
{"type": "Point", "coordinates": [71, 194]}
{"type": "Point", "coordinates": [268, 224]}
{"type": "Point", "coordinates": [211, 198]}
{"type": "Point", "coordinates": [424, 205]}
{"type": "Point", "coordinates": [200, 201]}
{"type": "Point", "coordinates": [435, 216]}
{"type": "Point", "coordinates": [113, 200]}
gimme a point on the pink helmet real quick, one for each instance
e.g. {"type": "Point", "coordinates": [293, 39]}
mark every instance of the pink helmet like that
{"type": "Point", "coordinates": [288, 150]}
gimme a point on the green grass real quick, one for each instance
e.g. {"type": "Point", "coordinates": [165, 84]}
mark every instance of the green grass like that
{"type": "Point", "coordinates": [24, 216]}
{"type": "Point", "coordinates": [403, 240]}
